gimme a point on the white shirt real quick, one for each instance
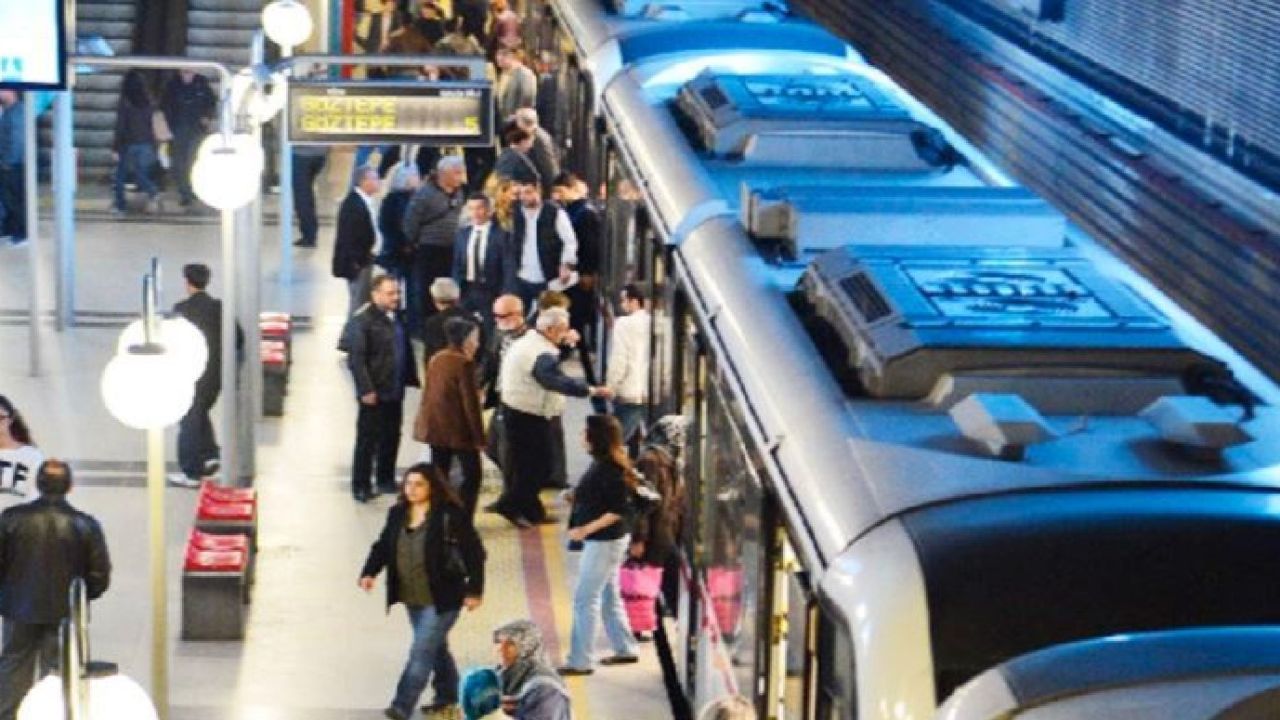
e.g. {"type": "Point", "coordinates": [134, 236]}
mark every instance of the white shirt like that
{"type": "Point", "coordinates": [629, 359]}
{"type": "Point", "coordinates": [475, 252]}
{"type": "Point", "coordinates": [372, 203]}
{"type": "Point", "coordinates": [18, 468]}
{"type": "Point", "coordinates": [530, 265]}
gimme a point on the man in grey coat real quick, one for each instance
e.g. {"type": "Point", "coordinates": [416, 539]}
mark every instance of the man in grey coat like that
{"type": "Point", "coordinates": [517, 85]}
{"type": "Point", "coordinates": [543, 152]}
{"type": "Point", "coordinates": [430, 224]}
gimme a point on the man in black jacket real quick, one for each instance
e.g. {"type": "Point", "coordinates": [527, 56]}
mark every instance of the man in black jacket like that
{"type": "Point", "coordinates": [357, 240]}
{"type": "Point", "coordinates": [382, 365]}
{"type": "Point", "coordinates": [188, 106]}
{"type": "Point", "coordinates": [44, 544]}
{"type": "Point", "coordinates": [571, 192]}
{"type": "Point", "coordinates": [197, 445]}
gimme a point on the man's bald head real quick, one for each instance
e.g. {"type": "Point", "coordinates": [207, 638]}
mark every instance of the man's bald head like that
{"type": "Point", "coordinates": [508, 312]}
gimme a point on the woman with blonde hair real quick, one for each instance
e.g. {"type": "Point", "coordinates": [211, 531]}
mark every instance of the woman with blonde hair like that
{"type": "Point", "coordinates": [503, 192]}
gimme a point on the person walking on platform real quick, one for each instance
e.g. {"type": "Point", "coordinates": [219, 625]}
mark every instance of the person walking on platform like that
{"type": "Point", "coordinates": [133, 146]}
{"type": "Point", "coordinates": [542, 153]}
{"type": "Point", "coordinates": [509, 325]}
{"type": "Point", "coordinates": [515, 162]}
{"type": "Point", "coordinates": [584, 310]}
{"type": "Point", "coordinates": [188, 105]}
{"type": "Point", "coordinates": [545, 247]}
{"type": "Point", "coordinates": [449, 417]}
{"type": "Point", "coordinates": [600, 521]}
{"type": "Point", "coordinates": [430, 223]}
{"type": "Point", "coordinates": [628, 374]}
{"type": "Point", "coordinates": [533, 389]}
{"type": "Point", "coordinates": [435, 566]}
{"type": "Point", "coordinates": [308, 163]}
{"type": "Point", "coordinates": [530, 687]}
{"type": "Point", "coordinates": [44, 545]}
{"type": "Point", "coordinates": [381, 361]}
{"type": "Point", "coordinates": [482, 258]}
{"type": "Point", "coordinates": [357, 240]}
{"type": "Point", "coordinates": [19, 457]}
{"type": "Point", "coordinates": [13, 182]}
{"type": "Point", "coordinates": [197, 446]}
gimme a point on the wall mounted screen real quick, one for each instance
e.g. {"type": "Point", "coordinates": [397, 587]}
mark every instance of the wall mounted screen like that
{"type": "Point", "coordinates": [33, 50]}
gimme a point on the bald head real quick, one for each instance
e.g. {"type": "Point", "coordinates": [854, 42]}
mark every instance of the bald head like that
{"type": "Point", "coordinates": [508, 312]}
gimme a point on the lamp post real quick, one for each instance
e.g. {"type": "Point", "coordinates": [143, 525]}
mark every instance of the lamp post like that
{"type": "Point", "coordinates": [149, 385]}
{"type": "Point", "coordinates": [288, 24]}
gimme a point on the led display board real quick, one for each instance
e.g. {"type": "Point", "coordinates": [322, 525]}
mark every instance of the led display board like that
{"type": "Point", "coordinates": [370, 113]}
{"type": "Point", "coordinates": [33, 49]}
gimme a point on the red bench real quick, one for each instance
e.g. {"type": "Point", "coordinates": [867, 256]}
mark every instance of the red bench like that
{"type": "Point", "coordinates": [215, 586]}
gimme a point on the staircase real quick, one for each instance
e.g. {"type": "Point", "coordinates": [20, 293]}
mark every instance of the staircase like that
{"type": "Point", "coordinates": [96, 94]}
{"type": "Point", "coordinates": [221, 30]}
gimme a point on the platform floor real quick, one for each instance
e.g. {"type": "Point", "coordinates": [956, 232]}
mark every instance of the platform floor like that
{"type": "Point", "coordinates": [316, 647]}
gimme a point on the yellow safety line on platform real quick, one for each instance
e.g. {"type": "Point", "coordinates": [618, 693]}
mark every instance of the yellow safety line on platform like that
{"type": "Point", "coordinates": [561, 598]}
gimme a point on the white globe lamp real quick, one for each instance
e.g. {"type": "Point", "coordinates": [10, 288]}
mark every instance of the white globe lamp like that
{"type": "Point", "coordinates": [228, 171]}
{"type": "Point", "coordinates": [146, 388]}
{"type": "Point", "coordinates": [287, 22]}
{"type": "Point", "coordinates": [111, 697]}
{"type": "Point", "coordinates": [182, 340]}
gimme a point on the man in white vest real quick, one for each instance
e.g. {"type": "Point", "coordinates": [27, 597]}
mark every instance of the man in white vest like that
{"type": "Point", "coordinates": [533, 389]}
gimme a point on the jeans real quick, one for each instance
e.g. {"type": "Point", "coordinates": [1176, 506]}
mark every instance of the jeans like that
{"type": "Point", "coordinates": [595, 595]}
{"type": "Point", "coordinates": [429, 659]}
{"type": "Point", "coordinates": [137, 159]}
{"type": "Point", "coordinates": [196, 441]}
{"type": "Point", "coordinates": [28, 650]}
{"type": "Point", "coordinates": [377, 434]}
{"type": "Point", "coordinates": [631, 416]}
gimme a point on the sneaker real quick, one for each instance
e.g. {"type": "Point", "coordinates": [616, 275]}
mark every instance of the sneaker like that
{"type": "Point", "coordinates": [212, 466]}
{"type": "Point", "coordinates": [117, 213]}
{"type": "Point", "coordinates": [181, 480]}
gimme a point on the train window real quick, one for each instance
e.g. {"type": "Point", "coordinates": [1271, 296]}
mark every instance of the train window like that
{"type": "Point", "coordinates": [837, 691]}
{"type": "Point", "coordinates": [732, 548]}
{"type": "Point", "coordinates": [625, 224]}
{"type": "Point", "coordinates": [661, 353]}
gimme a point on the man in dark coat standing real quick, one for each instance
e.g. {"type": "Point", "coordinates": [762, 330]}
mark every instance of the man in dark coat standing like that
{"type": "Point", "coordinates": [197, 445]}
{"type": "Point", "coordinates": [382, 365]}
{"type": "Point", "coordinates": [44, 544]}
{"type": "Point", "coordinates": [188, 106]}
{"type": "Point", "coordinates": [357, 240]}
{"type": "Point", "coordinates": [584, 303]}
{"type": "Point", "coordinates": [482, 259]}
{"type": "Point", "coordinates": [430, 222]}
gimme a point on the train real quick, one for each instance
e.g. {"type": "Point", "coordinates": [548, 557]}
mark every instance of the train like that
{"type": "Point", "coordinates": [947, 457]}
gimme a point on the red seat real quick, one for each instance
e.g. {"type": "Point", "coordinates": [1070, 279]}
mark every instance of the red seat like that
{"type": "Point", "coordinates": [210, 490]}
{"type": "Point", "coordinates": [215, 560]}
{"type": "Point", "coordinates": [207, 541]}
{"type": "Point", "coordinates": [274, 329]}
{"type": "Point", "coordinates": [215, 511]}
{"type": "Point", "coordinates": [274, 357]}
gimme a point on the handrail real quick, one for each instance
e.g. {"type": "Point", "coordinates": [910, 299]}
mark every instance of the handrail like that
{"type": "Point", "coordinates": [75, 652]}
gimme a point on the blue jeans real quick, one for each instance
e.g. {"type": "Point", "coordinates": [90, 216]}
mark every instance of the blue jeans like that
{"type": "Point", "coordinates": [596, 594]}
{"type": "Point", "coordinates": [630, 416]}
{"type": "Point", "coordinates": [137, 159]}
{"type": "Point", "coordinates": [429, 659]}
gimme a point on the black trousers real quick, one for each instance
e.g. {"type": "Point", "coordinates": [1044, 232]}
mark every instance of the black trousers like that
{"type": "Point", "coordinates": [529, 460]}
{"type": "Point", "coordinates": [196, 441]}
{"type": "Point", "coordinates": [28, 649]}
{"type": "Point", "coordinates": [182, 155]}
{"type": "Point", "coordinates": [442, 458]}
{"type": "Point", "coordinates": [377, 440]}
{"type": "Point", "coordinates": [306, 168]}
{"type": "Point", "coordinates": [13, 196]}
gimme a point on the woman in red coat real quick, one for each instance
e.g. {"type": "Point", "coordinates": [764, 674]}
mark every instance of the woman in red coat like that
{"type": "Point", "coordinates": [449, 417]}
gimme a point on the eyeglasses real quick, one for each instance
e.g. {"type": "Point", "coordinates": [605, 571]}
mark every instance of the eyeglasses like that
{"type": "Point", "coordinates": [504, 316]}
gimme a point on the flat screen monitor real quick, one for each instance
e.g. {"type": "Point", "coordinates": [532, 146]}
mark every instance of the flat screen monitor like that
{"type": "Point", "coordinates": [33, 48]}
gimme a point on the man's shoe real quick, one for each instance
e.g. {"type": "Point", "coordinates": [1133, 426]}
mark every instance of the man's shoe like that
{"type": "Point", "coordinates": [212, 466]}
{"type": "Point", "coordinates": [394, 714]}
{"type": "Point", "coordinates": [442, 708]}
{"type": "Point", "coordinates": [304, 244]}
{"type": "Point", "coordinates": [362, 496]}
{"type": "Point", "coordinates": [620, 660]}
{"type": "Point", "coordinates": [570, 671]}
{"type": "Point", "coordinates": [181, 480]}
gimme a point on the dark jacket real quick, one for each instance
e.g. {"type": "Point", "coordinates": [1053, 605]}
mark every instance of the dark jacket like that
{"type": "Point", "coordinates": [372, 358]}
{"type": "Point", "coordinates": [205, 312]}
{"type": "Point", "coordinates": [353, 244]}
{"type": "Point", "coordinates": [550, 246]}
{"type": "Point", "coordinates": [397, 250]}
{"type": "Point", "coordinates": [133, 126]}
{"type": "Point", "coordinates": [512, 164]}
{"type": "Point", "coordinates": [544, 158]}
{"type": "Point", "coordinates": [601, 490]}
{"type": "Point", "coordinates": [433, 339]}
{"type": "Point", "coordinates": [449, 415]}
{"type": "Point", "coordinates": [13, 142]}
{"type": "Point", "coordinates": [187, 105]}
{"type": "Point", "coordinates": [496, 271]}
{"type": "Point", "coordinates": [589, 228]}
{"type": "Point", "coordinates": [491, 363]}
{"type": "Point", "coordinates": [447, 590]}
{"type": "Point", "coordinates": [660, 527]}
{"type": "Point", "coordinates": [432, 216]}
{"type": "Point", "coordinates": [44, 544]}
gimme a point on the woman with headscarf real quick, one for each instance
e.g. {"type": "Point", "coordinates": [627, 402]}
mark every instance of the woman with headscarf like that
{"type": "Point", "coordinates": [531, 689]}
{"type": "Point", "coordinates": [19, 458]}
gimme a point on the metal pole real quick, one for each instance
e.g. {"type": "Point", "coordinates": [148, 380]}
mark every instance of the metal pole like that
{"type": "Point", "coordinates": [248, 250]}
{"type": "Point", "coordinates": [159, 583]}
{"type": "Point", "coordinates": [64, 191]}
{"type": "Point", "coordinates": [229, 430]}
{"type": "Point", "coordinates": [33, 230]}
{"type": "Point", "coordinates": [285, 167]}
{"type": "Point", "coordinates": [74, 656]}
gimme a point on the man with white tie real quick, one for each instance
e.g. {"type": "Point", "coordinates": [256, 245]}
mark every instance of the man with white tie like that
{"type": "Point", "coordinates": [482, 264]}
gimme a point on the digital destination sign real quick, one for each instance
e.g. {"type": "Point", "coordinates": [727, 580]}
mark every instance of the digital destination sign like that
{"type": "Point", "coordinates": [33, 50]}
{"type": "Point", "coordinates": [441, 113]}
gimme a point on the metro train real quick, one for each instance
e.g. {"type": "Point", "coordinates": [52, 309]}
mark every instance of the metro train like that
{"type": "Point", "coordinates": [946, 457]}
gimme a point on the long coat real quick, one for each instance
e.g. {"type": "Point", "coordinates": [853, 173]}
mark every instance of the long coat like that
{"type": "Point", "coordinates": [449, 415]}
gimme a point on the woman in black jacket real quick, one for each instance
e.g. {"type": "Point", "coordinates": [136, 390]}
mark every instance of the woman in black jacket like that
{"type": "Point", "coordinates": [435, 566]}
{"type": "Point", "coordinates": [600, 520]}
{"type": "Point", "coordinates": [134, 143]}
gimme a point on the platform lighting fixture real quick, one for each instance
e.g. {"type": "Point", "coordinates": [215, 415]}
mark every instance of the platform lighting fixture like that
{"type": "Point", "coordinates": [287, 22]}
{"type": "Point", "coordinates": [227, 173]}
{"type": "Point", "coordinates": [112, 696]}
{"type": "Point", "coordinates": [179, 336]}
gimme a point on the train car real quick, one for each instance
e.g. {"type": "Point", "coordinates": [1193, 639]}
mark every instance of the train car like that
{"type": "Point", "coordinates": [946, 458]}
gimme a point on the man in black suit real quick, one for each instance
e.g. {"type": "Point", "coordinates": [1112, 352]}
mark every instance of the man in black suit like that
{"type": "Point", "coordinates": [482, 262]}
{"type": "Point", "coordinates": [197, 446]}
{"type": "Point", "coordinates": [358, 240]}
{"type": "Point", "coordinates": [382, 365]}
